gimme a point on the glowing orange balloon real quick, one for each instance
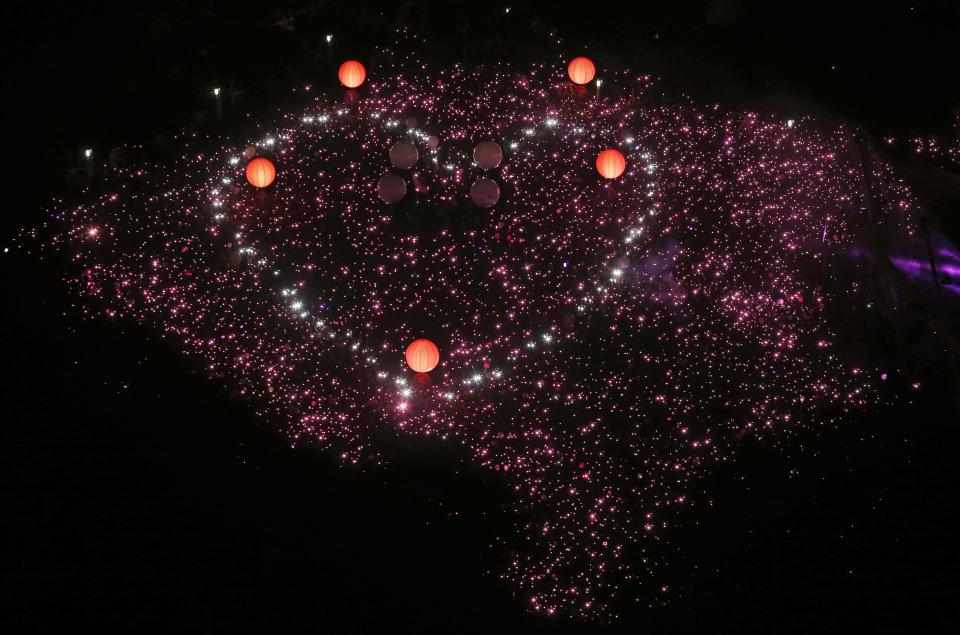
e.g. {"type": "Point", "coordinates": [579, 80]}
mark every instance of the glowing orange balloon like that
{"type": "Point", "coordinates": [423, 356]}
{"type": "Point", "coordinates": [352, 73]}
{"type": "Point", "coordinates": [581, 71]}
{"type": "Point", "coordinates": [611, 164]}
{"type": "Point", "coordinates": [260, 172]}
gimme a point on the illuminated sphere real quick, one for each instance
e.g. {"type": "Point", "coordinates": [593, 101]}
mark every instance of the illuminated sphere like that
{"type": "Point", "coordinates": [352, 74]}
{"type": "Point", "coordinates": [488, 154]}
{"type": "Point", "coordinates": [260, 172]}
{"type": "Point", "coordinates": [611, 164]}
{"type": "Point", "coordinates": [391, 188]}
{"type": "Point", "coordinates": [581, 71]}
{"type": "Point", "coordinates": [485, 192]}
{"type": "Point", "coordinates": [423, 356]}
{"type": "Point", "coordinates": [404, 155]}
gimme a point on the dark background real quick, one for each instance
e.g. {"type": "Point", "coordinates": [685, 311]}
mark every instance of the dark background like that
{"type": "Point", "coordinates": [136, 495]}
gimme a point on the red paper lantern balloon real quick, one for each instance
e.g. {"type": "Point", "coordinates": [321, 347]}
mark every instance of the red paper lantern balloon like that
{"type": "Point", "coordinates": [611, 164]}
{"type": "Point", "coordinates": [404, 155]}
{"type": "Point", "coordinates": [391, 188]}
{"type": "Point", "coordinates": [485, 192]}
{"type": "Point", "coordinates": [423, 356]}
{"type": "Point", "coordinates": [488, 154]}
{"type": "Point", "coordinates": [581, 71]}
{"type": "Point", "coordinates": [260, 172]}
{"type": "Point", "coordinates": [352, 73]}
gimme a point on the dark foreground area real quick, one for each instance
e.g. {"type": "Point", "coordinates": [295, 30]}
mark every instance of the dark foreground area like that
{"type": "Point", "coordinates": [137, 497]}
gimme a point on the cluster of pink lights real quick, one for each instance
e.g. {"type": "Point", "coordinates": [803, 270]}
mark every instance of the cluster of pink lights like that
{"type": "Point", "coordinates": [603, 342]}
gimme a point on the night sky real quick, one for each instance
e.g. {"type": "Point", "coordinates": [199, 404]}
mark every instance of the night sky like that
{"type": "Point", "coordinates": [138, 494]}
